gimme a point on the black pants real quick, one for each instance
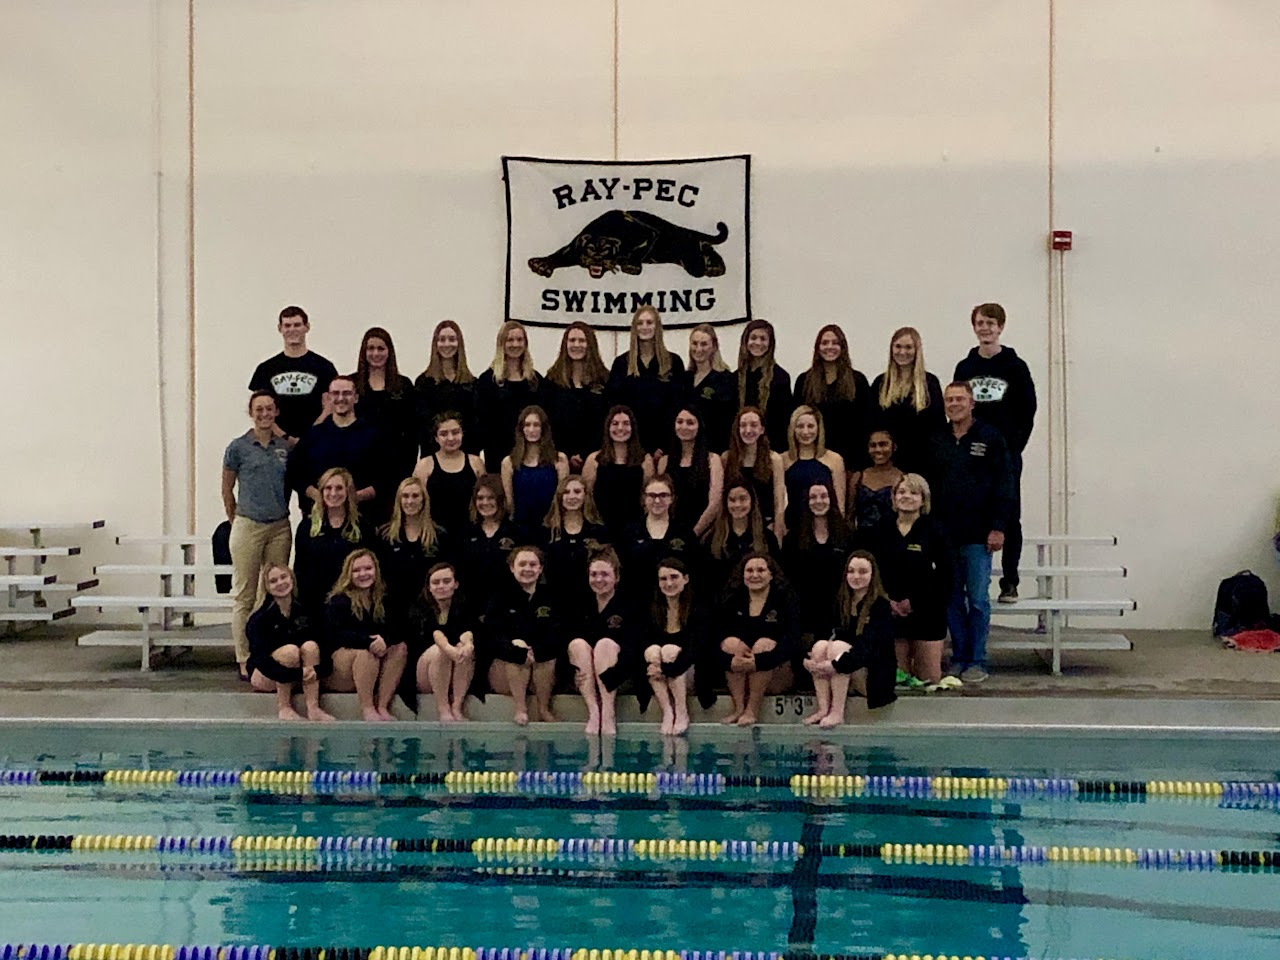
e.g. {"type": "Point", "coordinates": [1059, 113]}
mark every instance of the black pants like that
{"type": "Point", "coordinates": [1011, 555]}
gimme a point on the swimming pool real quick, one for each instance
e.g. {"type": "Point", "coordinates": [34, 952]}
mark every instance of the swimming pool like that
{"type": "Point", "coordinates": [1031, 885]}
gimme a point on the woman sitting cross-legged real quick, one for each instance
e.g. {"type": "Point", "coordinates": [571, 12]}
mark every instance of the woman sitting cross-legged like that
{"type": "Point", "coordinates": [524, 635]}
{"type": "Point", "coordinates": [860, 653]}
{"type": "Point", "coordinates": [442, 634]}
{"type": "Point", "coordinates": [605, 645]}
{"type": "Point", "coordinates": [365, 659]}
{"type": "Point", "coordinates": [678, 632]}
{"type": "Point", "coordinates": [283, 650]}
{"type": "Point", "coordinates": [759, 626]}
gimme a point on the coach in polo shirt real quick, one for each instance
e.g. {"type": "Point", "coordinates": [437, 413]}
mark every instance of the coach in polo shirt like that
{"type": "Point", "coordinates": [254, 464]}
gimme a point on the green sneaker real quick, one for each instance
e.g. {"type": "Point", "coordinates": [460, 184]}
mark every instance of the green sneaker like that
{"type": "Point", "coordinates": [907, 680]}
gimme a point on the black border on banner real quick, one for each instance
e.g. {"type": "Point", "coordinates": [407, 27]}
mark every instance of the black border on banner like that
{"type": "Point", "coordinates": [554, 325]}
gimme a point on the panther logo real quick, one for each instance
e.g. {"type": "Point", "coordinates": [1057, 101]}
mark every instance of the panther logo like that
{"type": "Point", "coordinates": [988, 389]}
{"type": "Point", "coordinates": [542, 613]}
{"type": "Point", "coordinates": [614, 622]}
{"type": "Point", "coordinates": [628, 239]}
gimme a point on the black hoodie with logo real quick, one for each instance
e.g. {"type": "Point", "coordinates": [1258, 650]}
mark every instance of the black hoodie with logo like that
{"type": "Point", "coordinates": [1004, 394]}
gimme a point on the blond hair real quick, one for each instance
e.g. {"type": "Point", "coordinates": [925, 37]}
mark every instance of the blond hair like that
{"type": "Point", "coordinates": [361, 602]}
{"type": "Point", "coordinates": [717, 361]}
{"type": "Point", "coordinates": [660, 350]}
{"type": "Point", "coordinates": [395, 526]}
{"type": "Point", "coordinates": [351, 525]}
{"type": "Point", "coordinates": [916, 484]}
{"type": "Point", "coordinates": [499, 367]}
{"type": "Point", "coordinates": [898, 386]}
{"type": "Point", "coordinates": [819, 442]}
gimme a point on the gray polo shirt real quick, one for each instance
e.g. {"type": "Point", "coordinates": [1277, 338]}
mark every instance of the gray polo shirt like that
{"type": "Point", "coordinates": [259, 471]}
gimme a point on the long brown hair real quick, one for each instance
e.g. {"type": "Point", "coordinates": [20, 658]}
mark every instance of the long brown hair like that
{"type": "Point", "coordinates": [360, 603]}
{"type": "Point", "coordinates": [724, 523]}
{"type": "Point", "coordinates": [837, 526]}
{"type": "Point", "coordinates": [767, 363]}
{"type": "Point", "coordinates": [392, 529]}
{"type": "Point", "coordinates": [361, 377]}
{"type": "Point", "coordinates": [435, 366]}
{"type": "Point", "coordinates": [546, 443]}
{"type": "Point", "coordinates": [848, 608]}
{"type": "Point", "coordinates": [660, 351]}
{"type": "Point", "coordinates": [426, 590]}
{"type": "Point", "coordinates": [843, 387]}
{"type": "Point", "coordinates": [763, 469]}
{"type": "Point", "coordinates": [493, 484]}
{"type": "Point", "coordinates": [554, 522]}
{"type": "Point", "coordinates": [635, 452]}
{"type": "Point", "coordinates": [898, 386]}
{"type": "Point", "coordinates": [594, 372]}
{"type": "Point", "coordinates": [658, 608]}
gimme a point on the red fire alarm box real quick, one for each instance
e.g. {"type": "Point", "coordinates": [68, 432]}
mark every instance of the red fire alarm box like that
{"type": "Point", "coordinates": [1060, 240]}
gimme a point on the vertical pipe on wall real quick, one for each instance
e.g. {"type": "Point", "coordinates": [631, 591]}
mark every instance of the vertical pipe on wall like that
{"type": "Point", "coordinates": [616, 4]}
{"type": "Point", "coordinates": [157, 157]}
{"type": "Point", "coordinates": [1056, 370]}
{"type": "Point", "coordinates": [191, 267]}
{"type": "Point", "coordinates": [615, 78]}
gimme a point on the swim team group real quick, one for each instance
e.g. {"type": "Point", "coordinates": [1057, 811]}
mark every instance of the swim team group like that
{"type": "Point", "coordinates": [663, 527]}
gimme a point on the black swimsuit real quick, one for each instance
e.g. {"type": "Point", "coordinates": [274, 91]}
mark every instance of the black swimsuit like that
{"type": "Point", "coordinates": [450, 493]}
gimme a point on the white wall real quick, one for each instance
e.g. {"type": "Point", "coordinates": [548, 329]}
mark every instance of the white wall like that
{"type": "Point", "coordinates": [347, 160]}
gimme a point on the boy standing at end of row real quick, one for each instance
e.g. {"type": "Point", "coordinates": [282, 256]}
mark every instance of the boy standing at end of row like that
{"type": "Point", "coordinates": [1004, 396]}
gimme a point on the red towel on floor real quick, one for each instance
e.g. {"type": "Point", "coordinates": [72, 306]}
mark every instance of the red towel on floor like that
{"type": "Point", "coordinates": [1265, 641]}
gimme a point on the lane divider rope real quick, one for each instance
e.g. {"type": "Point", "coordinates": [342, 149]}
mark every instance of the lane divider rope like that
{"type": "Point", "coordinates": [133, 951]}
{"type": "Point", "coordinates": [617, 849]}
{"type": "Point", "coordinates": [944, 787]}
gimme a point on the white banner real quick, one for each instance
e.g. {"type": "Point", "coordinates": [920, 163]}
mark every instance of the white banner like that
{"type": "Point", "coordinates": [595, 240]}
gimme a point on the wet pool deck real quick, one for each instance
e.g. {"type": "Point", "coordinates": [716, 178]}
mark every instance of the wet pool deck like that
{"type": "Point", "coordinates": [1173, 681]}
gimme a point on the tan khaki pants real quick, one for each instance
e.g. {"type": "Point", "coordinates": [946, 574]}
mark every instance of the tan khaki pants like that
{"type": "Point", "coordinates": [253, 546]}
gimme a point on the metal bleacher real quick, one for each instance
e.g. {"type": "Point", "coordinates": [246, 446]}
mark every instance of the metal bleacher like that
{"type": "Point", "coordinates": [29, 594]}
{"type": "Point", "coordinates": [166, 620]}
{"type": "Point", "coordinates": [1052, 606]}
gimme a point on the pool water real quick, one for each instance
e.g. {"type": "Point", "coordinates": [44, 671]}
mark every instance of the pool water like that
{"type": "Point", "coordinates": [821, 903]}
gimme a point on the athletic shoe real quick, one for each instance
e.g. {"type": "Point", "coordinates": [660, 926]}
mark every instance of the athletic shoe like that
{"type": "Point", "coordinates": [1008, 595]}
{"type": "Point", "coordinates": [955, 670]}
{"type": "Point", "coordinates": [906, 680]}
{"type": "Point", "coordinates": [974, 674]}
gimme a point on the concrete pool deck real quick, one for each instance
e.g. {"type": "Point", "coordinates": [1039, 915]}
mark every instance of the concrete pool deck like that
{"type": "Point", "coordinates": [1174, 681]}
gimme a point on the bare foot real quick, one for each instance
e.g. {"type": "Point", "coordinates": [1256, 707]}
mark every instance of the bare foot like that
{"type": "Point", "coordinates": [831, 720]}
{"type": "Point", "coordinates": [814, 717]}
{"type": "Point", "coordinates": [593, 725]}
{"type": "Point", "coordinates": [747, 720]}
{"type": "Point", "coordinates": [371, 715]}
{"type": "Point", "coordinates": [608, 728]}
{"type": "Point", "coordinates": [446, 716]}
{"type": "Point", "coordinates": [521, 718]}
{"type": "Point", "coordinates": [731, 718]}
{"type": "Point", "coordinates": [668, 725]}
{"type": "Point", "coordinates": [548, 716]}
{"type": "Point", "coordinates": [315, 713]}
{"type": "Point", "coordinates": [681, 726]}
{"type": "Point", "coordinates": [458, 714]}
{"type": "Point", "coordinates": [288, 713]}
{"type": "Point", "coordinates": [385, 714]}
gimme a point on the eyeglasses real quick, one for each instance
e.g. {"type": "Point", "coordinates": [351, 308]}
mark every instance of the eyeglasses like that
{"type": "Point", "coordinates": [658, 496]}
